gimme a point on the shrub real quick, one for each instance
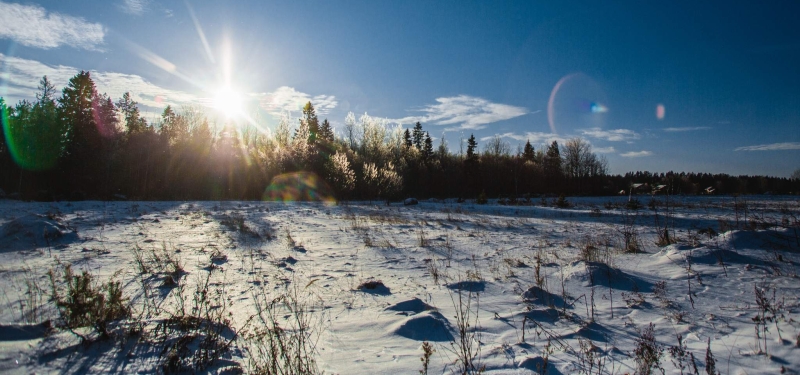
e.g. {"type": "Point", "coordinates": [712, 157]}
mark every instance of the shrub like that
{"type": "Point", "coordinates": [84, 304]}
{"type": "Point", "coordinates": [647, 353]}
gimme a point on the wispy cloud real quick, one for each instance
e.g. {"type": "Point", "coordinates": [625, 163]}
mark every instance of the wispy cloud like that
{"type": "Point", "coordinates": [687, 129]}
{"type": "Point", "coordinates": [636, 154]}
{"type": "Point", "coordinates": [468, 112]}
{"type": "Point", "coordinates": [771, 147]}
{"type": "Point", "coordinates": [605, 150]}
{"type": "Point", "coordinates": [614, 135]}
{"type": "Point", "coordinates": [134, 7]}
{"type": "Point", "coordinates": [534, 137]}
{"type": "Point", "coordinates": [20, 78]}
{"type": "Point", "coordinates": [32, 26]}
{"type": "Point", "coordinates": [287, 99]}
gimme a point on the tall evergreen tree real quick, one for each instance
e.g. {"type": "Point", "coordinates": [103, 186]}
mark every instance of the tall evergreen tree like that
{"type": "Point", "coordinates": [131, 117]}
{"type": "Point", "coordinates": [326, 131]}
{"type": "Point", "coordinates": [472, 145]}
{"type": "Point", "coordinates": [427, 151]}
{"type": "Point", "coordinates": [527, 153]}
{"type": "Point", "coordinates": [310, 117]}
{"type": "Point", "coordinates": [407, 139]}
{"type": "Point", "coordinates": [82, 140]}
{"type": "Point", "coordinates": [418, 136]}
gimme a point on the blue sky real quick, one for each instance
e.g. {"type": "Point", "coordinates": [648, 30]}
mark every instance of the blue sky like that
{"type": "Point", "coordinates": [724, 74]}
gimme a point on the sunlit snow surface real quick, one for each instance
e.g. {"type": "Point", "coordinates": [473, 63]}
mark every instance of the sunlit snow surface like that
{"type": "Point", "coordinates": [492, 248]}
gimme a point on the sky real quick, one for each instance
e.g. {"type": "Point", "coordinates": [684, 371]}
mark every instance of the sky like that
{"type": "Point", "coordinates": [659, 86]}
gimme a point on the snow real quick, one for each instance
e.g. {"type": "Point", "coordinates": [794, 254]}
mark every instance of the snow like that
{"type": "Point", "coordinates": [366, 273]}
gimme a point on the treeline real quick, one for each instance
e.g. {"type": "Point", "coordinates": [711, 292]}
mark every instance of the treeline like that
{"type": "Point", "coordinates": [84, 145]}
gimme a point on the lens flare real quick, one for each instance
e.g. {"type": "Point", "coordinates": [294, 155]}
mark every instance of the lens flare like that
{"type": "Point", "coordinates": [660, 111]}
{"type": "Point", "coordinates": [298, 186]}
{"type": "Point", "coordinates": [33, 147]}
{"type": "Point", "coordinates": [576, 102]}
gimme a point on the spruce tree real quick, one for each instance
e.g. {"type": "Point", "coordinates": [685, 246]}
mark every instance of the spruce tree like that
{"type": "Point", "coordinates": [407, 139]}
{"type": "Point", "coordinates": [418, 136]}
{"type": "Point", "coordinates": [528, 154]}
{"type": "Point", "coordinates": [427, 151]}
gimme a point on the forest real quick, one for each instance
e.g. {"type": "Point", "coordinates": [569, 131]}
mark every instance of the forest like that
{"type": "Point", "coordinates": [79, 144]}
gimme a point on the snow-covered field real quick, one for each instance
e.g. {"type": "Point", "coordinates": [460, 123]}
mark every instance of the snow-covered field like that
{"type": "Point", "coordinates": [541, 288]}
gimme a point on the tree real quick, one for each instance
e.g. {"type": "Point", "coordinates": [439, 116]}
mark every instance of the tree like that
{"type": "Point", "coordinates": [471, 146]}
{"type": "Point", "coordinates": [326, 131]}
{"type": "Point", "coordinates": [497, 147]}
{"type": "Point", "coordinates": [796, 174]}
{"type": "Point", "coordinates": [131, 118]}
{"type": "Point", "coordinates": [528, 154]}
{"type": "Point", "coordinates": [82, 141]}
{"type": "Point", "coordinates": [552, 160]}
{"type": "Point", "coordinates": [310, 118]}
{"type": "Point", "coordinates": [418, 136]}
{"type": "Point", "coordinates": [407, 139]}
{"type": "Point", "coordinates": [427, 151]}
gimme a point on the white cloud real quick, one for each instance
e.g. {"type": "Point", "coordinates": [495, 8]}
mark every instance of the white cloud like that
{"type": "Point", "coordinates": [605, 150]}
{"type": "Point", "coordinates": [614, 135]}
{"type": "Point", "coordinates": [287, 99]}
{"type": "Point", "coordinates": [771, 147]}
{"type": "Point", "coordinates": [21, 77]}
{"type": "Point", "coordinates": [134, 7]}
{"type": "Point", "coordinates": [636, 154]}
{"type": "Point", "coordinates": [536, 138]}
{"type": "Point", "coordinates": [687, 129]}
{"type": "Point", "coordinates": [468, 112]}
{"type": "Point", "coordinates": [32, 26]}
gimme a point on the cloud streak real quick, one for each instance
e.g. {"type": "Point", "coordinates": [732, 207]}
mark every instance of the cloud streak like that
{"type": "Point", "coordinates": [33, 26]}
{"type": "Point", "coordinates": [614, 135]}
{"type": "Point", "coordinates": [686, 129]}
{"type": "Point", "coordinates": [605, 150]}
{"type": "Point", "coordinates": [636, 154]}
{"type": "Point", "coordinates": [287, 99]}
{"type": "Point", "coordinates": [534, 137]}
{"type": "Point", "coordinates": [134, 7]}
{"type": "Point", "coordinates": [771, 147]}
{"type": "Point", "coordinates": [468, 112]}
{"type": "Point", "coordinates": [20, 78]}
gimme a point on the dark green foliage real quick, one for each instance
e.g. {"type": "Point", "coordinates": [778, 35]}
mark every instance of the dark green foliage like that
{"type": "Point", "coordinates": [562, 202]}
{"type": "Point", "coordinates": [418, 136]}
{"type": "Point", "coordinates": [84, 304]}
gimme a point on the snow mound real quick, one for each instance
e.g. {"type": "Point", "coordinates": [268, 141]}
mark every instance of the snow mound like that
{"type": "Point", "coordinates": [468, 286]}
{"type": "Point", "coordinates": [592, 331]}
{"type": "Point", "coordinates": [414, 305]}
{"type": "Point", "coordinates": [36, 230]}
{"type": "Point", "coordinates": [538, 365]}
{"type": "Point", "coordinates": [718, 256]}
{"type": "Point", "coordinates": [607, 276]}
{"type": "Point", "coordinates": [770, 239]}
{"type": "Point", "coordinates": [427, 326]}
{"type": "Point", "coordinates": [539, 296]}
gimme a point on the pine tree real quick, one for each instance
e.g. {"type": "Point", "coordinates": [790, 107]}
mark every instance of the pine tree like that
{"type": "Point", "coordinates": [427, 151]}
{"type": "Point", "coordinates": [130, 114]}
{"type": "Point", "coordinates": [528, 153]}
{"type": "Point", "coordinates": [472, 145]}
{"type": "Point", "coordinates": [310, 118]}
{"type": "Point", "coordinates": [418, 136]}
{"type": "Point", "coordinates": [407, 139]}
{"type": "Point", "coordinates": [82, 140]}
{"type": "Point", "coordinates": [326, 131]}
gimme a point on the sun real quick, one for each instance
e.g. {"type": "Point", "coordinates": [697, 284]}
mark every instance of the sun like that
{"type": "Point", "coordinates": [228, 102]}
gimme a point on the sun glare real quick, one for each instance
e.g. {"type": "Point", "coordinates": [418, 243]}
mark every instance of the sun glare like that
{"type": "Point", "coordinates": [228, 102]}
